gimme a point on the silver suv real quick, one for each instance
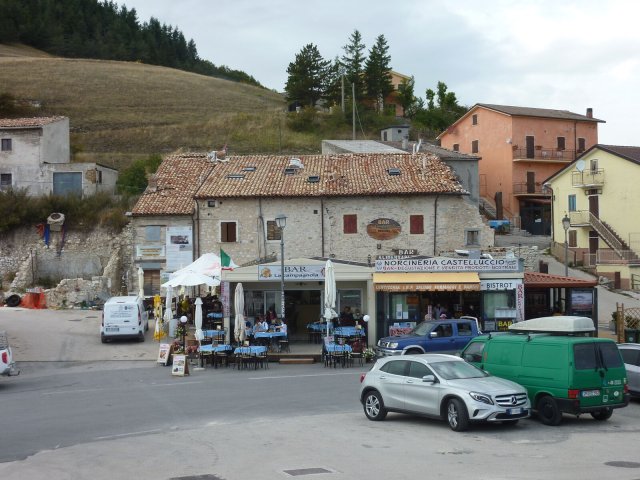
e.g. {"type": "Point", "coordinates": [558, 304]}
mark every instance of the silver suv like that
{"type": "Point", "coordinates": [441, 386]}
{"type": "Point", "coordinates": [7, 365]}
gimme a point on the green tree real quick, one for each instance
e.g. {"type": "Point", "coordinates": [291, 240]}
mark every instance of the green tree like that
{"type": "Point", "coordinates": [377, 73]}
{"type": "Point", "coordinates": [353, 62]}
{"type": "Point", "coordinates": [442, 109]}
{"type": "Point", "coordinates": [407, 97]}
{"type": "Point", "coordinates": [308, 73]}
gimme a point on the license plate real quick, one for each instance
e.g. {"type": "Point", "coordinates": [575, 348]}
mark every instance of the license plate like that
{"type": "Point", "coordinates": [112, 329]}
{"type": "Point", "coordinates": [514, 411]}
{"type": "Point", "coordinates": [591, 393]}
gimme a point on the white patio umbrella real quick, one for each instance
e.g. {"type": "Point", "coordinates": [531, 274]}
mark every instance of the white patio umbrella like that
{"type": "Point", "coordinates": [140, 282]}
{"type": "Point", "coordinates": [238, 305]}
{"type": "Point", "coordinates": [198, 319]}
{"type": "Point", "coordinates": [188, 278]}
{"type": "Point", "coordinates": [329, 293]}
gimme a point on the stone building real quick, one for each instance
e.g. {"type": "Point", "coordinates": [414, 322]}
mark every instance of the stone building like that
{"type": "Point", "coordinates": [35, 155]}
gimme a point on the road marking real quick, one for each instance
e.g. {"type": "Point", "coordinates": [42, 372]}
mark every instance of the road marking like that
{"type": "Point", "coordinates": [300, 376]}
{"type": "Point", "coordinates": [130, 434]}
{"type": "Point", "coordinates": [63, 392]}
{"type": "Point", "coordinates": [175, 384]}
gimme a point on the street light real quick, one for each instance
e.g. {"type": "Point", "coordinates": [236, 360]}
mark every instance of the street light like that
{"type": "Point", "coordinates": [281, 222]}
{"type": "Point", "coordinates": [566, 223]}
{"type": "Point", "coordinates": [183, 321]}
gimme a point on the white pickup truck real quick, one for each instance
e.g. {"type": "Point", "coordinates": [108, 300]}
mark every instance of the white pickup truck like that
{"type": "Point", "coordinates": [7, 365]}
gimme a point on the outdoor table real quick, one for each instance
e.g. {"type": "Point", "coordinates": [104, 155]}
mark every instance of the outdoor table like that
{"type": "Point", "coordinates": [214, 334]}
{"type": "Point", "coordinates": [348, 332]}
{"type": "Point", "coordinates": [251, 350]}
{"type": "Point", "coordinates": [333, 348]}
{"type": "Point", "coordinates": [319, 327]}
{"type": "Point", "coordinates": [213, 349]}
{"type": "Point", "coordinates": [268, 335]}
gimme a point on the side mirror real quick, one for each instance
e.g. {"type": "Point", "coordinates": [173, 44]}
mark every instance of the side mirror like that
{"type": "Point", "coordinates": [429, 379]}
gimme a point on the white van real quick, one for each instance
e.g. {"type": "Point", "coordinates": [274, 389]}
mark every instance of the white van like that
{"type": "Point", "coordinates": [124, 317]}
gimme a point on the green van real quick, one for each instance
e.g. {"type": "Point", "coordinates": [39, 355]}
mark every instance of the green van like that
{"type": "Point", "coordinates": [563, 369]}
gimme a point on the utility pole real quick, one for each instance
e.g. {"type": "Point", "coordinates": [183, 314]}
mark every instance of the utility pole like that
{"type": "Point", "coordinates": [353, 113]}
{"type": "Point", "coordinates": [343, 93]}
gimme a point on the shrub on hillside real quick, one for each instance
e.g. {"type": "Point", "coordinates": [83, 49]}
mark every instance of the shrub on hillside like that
{"type": "Point", "coordinates": [133, 179]}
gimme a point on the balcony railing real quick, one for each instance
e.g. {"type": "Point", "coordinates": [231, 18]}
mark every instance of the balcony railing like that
{"type": "Point", "coordinates": [525, 188]}
{"type": "Point", "coordinates": [588, 178]}
{"type": "Point", "coordinates": [545, 154]}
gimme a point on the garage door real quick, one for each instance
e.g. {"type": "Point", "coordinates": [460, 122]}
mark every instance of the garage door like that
{"type": "Point", "coordinates": [67, 183]}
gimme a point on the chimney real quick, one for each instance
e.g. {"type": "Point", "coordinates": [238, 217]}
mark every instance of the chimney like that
{"type": "Point", "coordinates": [589, 112]}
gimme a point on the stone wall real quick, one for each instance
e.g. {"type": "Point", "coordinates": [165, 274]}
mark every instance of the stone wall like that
{"type": "Point", "coordinates": [88, 267]}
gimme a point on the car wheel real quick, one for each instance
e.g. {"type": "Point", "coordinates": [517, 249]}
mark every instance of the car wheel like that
{"type": "Point", "coordinates": [103, 339]}
{"type": "Point", "coordinates": [374, 406]}
{"type": "Point", "coordinates": [413, 351]}
{"type": "Point", "coordinates": [604, 414]}
{"type": "Point", "coordinates": [141, 337]}
{"type": "Point", "coordinates": [457, 415]}
{"type": "Point", "coordinates": [548, 411]}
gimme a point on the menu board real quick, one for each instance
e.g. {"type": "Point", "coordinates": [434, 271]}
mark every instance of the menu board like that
{"type": "Point", "coordinates": [180, 366]}
{"type": "Point", "coordinates": [164, 353]}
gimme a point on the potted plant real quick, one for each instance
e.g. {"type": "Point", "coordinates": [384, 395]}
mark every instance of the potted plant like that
{"type": "Point", "coordinates": [368, 354]}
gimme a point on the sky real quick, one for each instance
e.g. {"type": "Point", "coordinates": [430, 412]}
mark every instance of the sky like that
{"type": "Point", "coordinates": [565, 55]}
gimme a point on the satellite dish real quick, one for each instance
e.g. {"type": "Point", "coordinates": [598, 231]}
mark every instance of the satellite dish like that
{"type": "Point", "coordinates": [580, 165]}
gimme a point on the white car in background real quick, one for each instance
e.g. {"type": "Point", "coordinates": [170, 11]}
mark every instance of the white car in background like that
{"type": "Point", "coordinates": [7, 365]}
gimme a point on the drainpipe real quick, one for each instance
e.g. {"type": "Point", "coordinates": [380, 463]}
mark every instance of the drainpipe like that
{"type": "Point", "coordinates": [435, 223]}
{"type": "Point", "coordinates": [322, 226]}
{"type": "Point", "coordinates": [195, 226]}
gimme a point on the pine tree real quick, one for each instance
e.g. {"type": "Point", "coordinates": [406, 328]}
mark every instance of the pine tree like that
{"type": "Point", "coordinates": [353, 62]}
{"type": "Point", "coordinates": [307, 82]}
{"type": "Point", "coordinates": [377, 73]}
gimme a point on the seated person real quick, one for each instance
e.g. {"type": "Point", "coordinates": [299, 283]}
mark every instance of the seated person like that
{"type": "Point", "coordinates": [260, 325]}
{"type": "Point", "coordinates": [281, 327]}
{"type": "Point", "coordinates": [346, 318]}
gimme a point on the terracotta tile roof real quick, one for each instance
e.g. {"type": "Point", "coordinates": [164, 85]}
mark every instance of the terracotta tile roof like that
{"type": "Point", "coordinates": [177, 180]}
{"type": "Point", "coordinates": [546, 280]}
{"type": "Point", "coordinates": [539, 112]}
{"type": "Point", "coordinates": [336, 175]}
{"type": "Point", "coordinates": [27, 122]}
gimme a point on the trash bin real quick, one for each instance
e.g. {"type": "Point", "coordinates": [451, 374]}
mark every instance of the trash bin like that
{"type": "Point", "coordinates": [631, 335]}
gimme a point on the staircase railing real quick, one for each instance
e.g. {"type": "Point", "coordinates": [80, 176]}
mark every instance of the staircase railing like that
{"type": "Point", "coordinates": [583, 217]}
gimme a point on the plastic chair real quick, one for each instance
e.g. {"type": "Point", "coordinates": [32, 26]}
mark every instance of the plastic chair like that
{"type": "Point", "coordinates": [283, 344]}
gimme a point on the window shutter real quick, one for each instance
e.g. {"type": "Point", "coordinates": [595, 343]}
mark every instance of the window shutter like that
{"type": "Point", "coordinates": [416, 224]}
{"type": "Point", "coordinates": [573, 238]}
{"type": "Point", "coordinates": [350, 223]}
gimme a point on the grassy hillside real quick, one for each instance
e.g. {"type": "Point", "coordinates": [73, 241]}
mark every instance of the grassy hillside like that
{"type": "Point", "coordinates": [120, 110]}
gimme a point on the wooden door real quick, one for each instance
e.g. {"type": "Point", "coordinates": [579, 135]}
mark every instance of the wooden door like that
{"type": "Point", "coordinates": [594, 205]}
{"type": "Point", "coordinates": [531, 182]}
{"type": "Point", "coordinates": [530, 146]}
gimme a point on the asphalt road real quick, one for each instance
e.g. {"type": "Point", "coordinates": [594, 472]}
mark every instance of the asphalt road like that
{"type": "Point", "coordinates": [141, 422]}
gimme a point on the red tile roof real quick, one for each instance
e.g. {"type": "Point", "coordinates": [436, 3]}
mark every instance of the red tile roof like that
{"type": "Point", "coordinates": [28, 122]}
{"type": "Point", "coordinates": [177, 180]}
{"type": "Point", "coordinates": [546, 280]}
{"type": "Point", "coordinates": [337, 175]}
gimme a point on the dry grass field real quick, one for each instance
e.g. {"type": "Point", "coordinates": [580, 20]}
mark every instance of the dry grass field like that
{"type": "Point", "coordinates": [123, 110]}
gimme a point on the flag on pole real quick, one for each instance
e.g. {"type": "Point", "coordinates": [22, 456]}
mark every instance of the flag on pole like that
{"type": "Point", "coordinates": [225, 260]}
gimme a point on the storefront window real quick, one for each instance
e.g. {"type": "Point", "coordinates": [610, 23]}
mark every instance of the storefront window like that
{"type": "Point", "coordinates": [350, 298]}
{"type": "Point", "coordinates": [498, 309]}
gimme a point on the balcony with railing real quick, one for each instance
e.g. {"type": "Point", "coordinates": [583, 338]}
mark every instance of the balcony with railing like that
{"type": "Point", "coordinates": [588, 178]}
{"type": "Point", "coordinates": [543, 154]}
{"type": "Point", "coordinates": [530, 188]}
{"type": "Point", "coordinates": [604, 256]}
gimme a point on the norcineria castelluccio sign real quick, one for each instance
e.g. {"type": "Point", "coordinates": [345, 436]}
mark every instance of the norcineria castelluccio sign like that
{"type": "Point", "coordinates": [444, 264]}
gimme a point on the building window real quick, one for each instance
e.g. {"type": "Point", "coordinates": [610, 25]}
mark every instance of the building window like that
{"type": "Point", "coordinates": [152, 233]}
{"type": "Point", "coordinates": [561, 143]}
{"type": "Point", "coordinates": [350, 223]}
{"type": "Point", "coordinates": [573, 238]}
{"type": "Point", "coordinates": [582, 143]}
{"type": "Point", "coordinates": [456, 147]}
{"type": "Point", "coordinates": [273, 232]}
{"type": "Point", "coordinates": [474, 147]}
{"type": "Point", "coordinates": [99, 177]}
{"type": "Point", "coordinates": [5, 181]}
{"type": "Point", "coordinates": [474, 119]}
{"type": "Point", "coordinates": [6, 145]}
{"type": "Point", "coordinates": [228, 232]}
{"type": "Point", "coordinates": [472, 237]}
{"type": "Point", "coordinates": [572, 203]}
{"type": "Point", "coordinates": [594, 164]}
{"type": "Point", "coordinates": [416, 224]}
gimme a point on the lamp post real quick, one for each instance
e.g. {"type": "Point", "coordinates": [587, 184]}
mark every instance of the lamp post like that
{"type": "Point", "coordinates": [566, 223]}
{"type": "Point", "coordinates": [183, 321]}
{"type": "Point", "coordinates": [281, 222]}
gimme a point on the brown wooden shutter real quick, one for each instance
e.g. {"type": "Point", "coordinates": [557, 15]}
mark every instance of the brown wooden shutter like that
{"type": "Point", "coordinates": [350, 223]}
{"type": "Point", "coordinates": [416, 224]}
{"type": "Point", "coordinates": [573, 238]}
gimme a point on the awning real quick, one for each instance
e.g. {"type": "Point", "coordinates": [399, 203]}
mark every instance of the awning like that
{"type": "Point", "coordinates": [426, 282]}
